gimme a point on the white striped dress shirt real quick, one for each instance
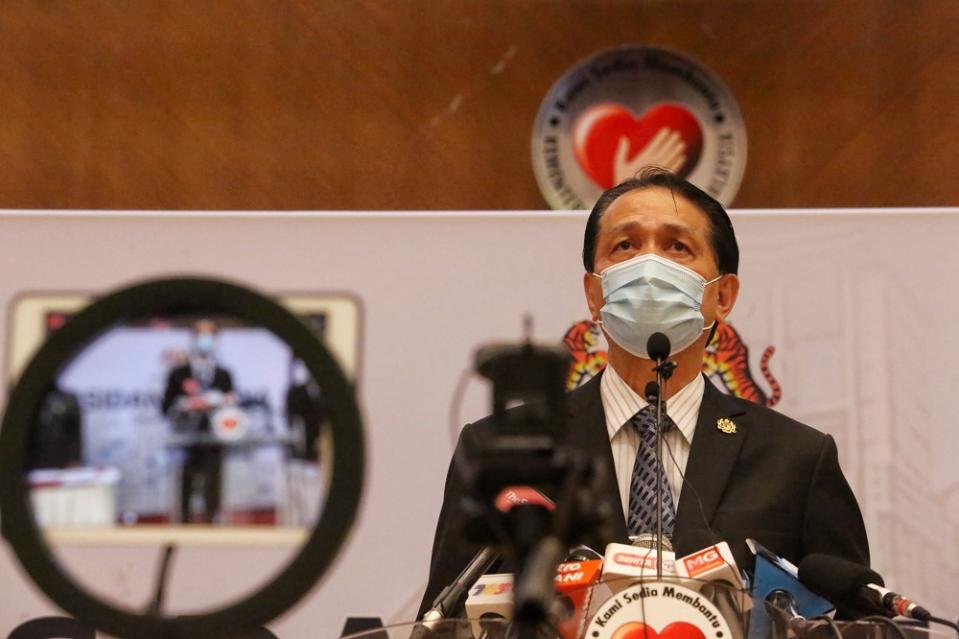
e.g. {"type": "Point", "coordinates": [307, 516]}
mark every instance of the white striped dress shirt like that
{"type": "Point", "coordinates": [620, 403]}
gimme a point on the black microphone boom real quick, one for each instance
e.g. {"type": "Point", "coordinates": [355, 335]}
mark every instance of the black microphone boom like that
{"type": "Point", "coordinates": [451, 596]}
{"type": "Point", "coordinates": [658, 347]}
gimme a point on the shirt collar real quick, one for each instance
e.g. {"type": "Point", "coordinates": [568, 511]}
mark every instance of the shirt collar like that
{"type": "Point", "coordinates": [620, 403]}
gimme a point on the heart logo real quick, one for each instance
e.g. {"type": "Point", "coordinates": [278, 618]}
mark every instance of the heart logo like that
{"type": "Point", "coordinates": [612, 144]}
{"type": "Point", "coordinates": [675, 630]}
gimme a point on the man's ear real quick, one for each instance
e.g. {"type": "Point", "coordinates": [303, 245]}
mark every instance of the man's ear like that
{"type": "Point", "coordinates": [728, 293]}
{"type": "Point", "coordinates": [593, 288]}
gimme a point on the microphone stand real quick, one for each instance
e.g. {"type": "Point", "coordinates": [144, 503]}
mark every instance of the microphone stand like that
{"type": "Point", "coordinates": [530, 446]}
{"type": "Point", "coordinates": [664, 370]}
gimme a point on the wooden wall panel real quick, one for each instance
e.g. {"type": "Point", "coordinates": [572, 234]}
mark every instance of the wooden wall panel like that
{"type": "Point", "coordinates": [408, 104]}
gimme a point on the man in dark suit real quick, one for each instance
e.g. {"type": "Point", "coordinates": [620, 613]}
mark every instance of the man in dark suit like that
{"type": "Point", "coordinates": [661, 256]}
{"type": "Point", "coordinates": [56, 440]}
{"type": "Point", "coordinates": [193, 391]}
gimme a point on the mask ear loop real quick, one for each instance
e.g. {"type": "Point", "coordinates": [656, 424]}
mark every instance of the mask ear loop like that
{"type": "Point", "coordinates": [596, 322]}
{"type": "Point", "coordinates": [712, 327]}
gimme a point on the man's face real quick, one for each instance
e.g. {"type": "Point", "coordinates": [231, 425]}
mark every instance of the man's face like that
{"type": "Point", "coordinates": [204, 337]}
{"type": "Point", "coordinates": [653, 220]}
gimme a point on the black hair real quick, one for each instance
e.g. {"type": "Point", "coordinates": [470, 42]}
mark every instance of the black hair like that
{"type": "Point", "coordinates": [721, 235]}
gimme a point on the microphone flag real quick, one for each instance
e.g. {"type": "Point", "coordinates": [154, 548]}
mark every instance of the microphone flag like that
{"type": "Point", "coordinates": [771, 574]}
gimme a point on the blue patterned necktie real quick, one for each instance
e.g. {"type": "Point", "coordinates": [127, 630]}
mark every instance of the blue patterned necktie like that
{"type": "Point", "coordinates": [642, 486]}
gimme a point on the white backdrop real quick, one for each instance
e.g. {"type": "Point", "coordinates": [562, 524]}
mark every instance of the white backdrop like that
{"type": "Point", "coordinates": [860, 305]}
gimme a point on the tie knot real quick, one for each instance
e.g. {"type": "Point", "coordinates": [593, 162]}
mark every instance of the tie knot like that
{"type": "Point", "coordinates": [645, 423]}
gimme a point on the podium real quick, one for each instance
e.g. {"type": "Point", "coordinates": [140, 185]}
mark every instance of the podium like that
{"type": "Point", "coordinates": [670, 608]}
{"type": "Point", "coordinates": [230, 434]}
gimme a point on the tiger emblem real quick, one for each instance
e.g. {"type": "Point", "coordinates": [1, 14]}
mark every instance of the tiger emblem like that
{"type": "Point", "coordinates": [582, 340]}
{"type": "Point", "coordinates": [727, 358]}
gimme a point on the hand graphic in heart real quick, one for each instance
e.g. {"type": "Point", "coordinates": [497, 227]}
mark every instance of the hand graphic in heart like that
{"type": "Point", "coordinates": [611, 144]}
{"type": "Point", "coordinates": [676, 630]}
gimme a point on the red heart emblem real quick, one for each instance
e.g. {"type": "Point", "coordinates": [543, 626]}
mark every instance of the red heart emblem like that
{"type": "Point", "coordinates": [675, 630]}
{"type": "Point", "coordinates": [666, 135]}
{"type": "Point", "coordinates": [229, 424]}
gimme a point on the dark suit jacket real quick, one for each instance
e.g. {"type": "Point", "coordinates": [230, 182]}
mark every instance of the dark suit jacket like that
{"type": "Point", "coordinates": [774, 479]}
{"type": "Point", "coordinates": [56, 441]}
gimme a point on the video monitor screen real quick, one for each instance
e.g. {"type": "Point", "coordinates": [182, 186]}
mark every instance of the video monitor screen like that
{"type": "Point", "coordinates": [180, 420]}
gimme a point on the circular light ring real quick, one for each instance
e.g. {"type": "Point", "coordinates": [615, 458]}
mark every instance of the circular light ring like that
{"type": "Point", "coordinates": [166, 297]}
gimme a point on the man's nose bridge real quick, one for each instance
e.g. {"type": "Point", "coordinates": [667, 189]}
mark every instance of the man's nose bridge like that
{"type": "Point", "coordinates": [650, 246]}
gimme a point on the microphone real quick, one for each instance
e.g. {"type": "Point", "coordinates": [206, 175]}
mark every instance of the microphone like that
{"type": "Point", "coordinates": [574, 593]}
{"type": "Point", "coordinates": [712, 571]}
{"type": "Point", "coordinates": [785, 601]}
{"type": "Point", "coordinates": [493, 626]}
{"type": "Point", "coordinates": [658, 346]}
{"type": "Point", "coordinates": [850, 584]}
{"type": "Point", "coordinates": [450, 597]}
{"type": "Point", "coordinates": [492, 597]}
{"type": "Point", "coordinates": [714, 564]}
{"type": "Point", "coordinates": [582, 553]}
{"type": "Point", "coordinates": [650, 540]}
{"type": "Point", "coordinates": [776, 582]}
{"type": "Point", "coordinates": [651, 392]}
{"type": "Point", "coordinates": [625, 564]}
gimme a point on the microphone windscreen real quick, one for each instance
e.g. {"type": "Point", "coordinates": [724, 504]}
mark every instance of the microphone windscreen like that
{"type": "Point", "coordinates": [651, 541]}
{"type": "Point", "coordinates": [658, 346]}
{"type": "Point", "coordinates": [651, 392]}
{"type": "Point", "coordinates": [835, 578]}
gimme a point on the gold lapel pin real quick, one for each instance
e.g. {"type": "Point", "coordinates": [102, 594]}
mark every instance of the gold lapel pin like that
{"type": "Point", "coordinates": [726, 425]}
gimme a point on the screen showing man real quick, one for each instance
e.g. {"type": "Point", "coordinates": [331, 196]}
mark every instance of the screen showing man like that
{"type": "Point", "coordinates": [193, 392]}
{"type": "Point", "coordinates": [178, 419]}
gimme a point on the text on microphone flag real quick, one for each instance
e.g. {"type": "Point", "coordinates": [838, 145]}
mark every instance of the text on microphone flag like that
{"type": "Point", "coordinates": [521, 495]}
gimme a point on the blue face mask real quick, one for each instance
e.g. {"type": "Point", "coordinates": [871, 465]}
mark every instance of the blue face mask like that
{"type": "Point", "coordinates": [649, 294]}
{"type": "Point", "coordinates": [204, 343]}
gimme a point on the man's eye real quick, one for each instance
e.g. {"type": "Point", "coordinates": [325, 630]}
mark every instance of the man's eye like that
{"type": "Point", "coordinates": [679, 246]}
{"type": "Point", "coordinates": [624, 245]}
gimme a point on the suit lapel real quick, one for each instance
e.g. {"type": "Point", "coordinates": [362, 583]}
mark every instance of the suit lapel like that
{"type": "Point", "coordinates": [587, 433]}
{"type": "Point", "coordinates": [711, 459]}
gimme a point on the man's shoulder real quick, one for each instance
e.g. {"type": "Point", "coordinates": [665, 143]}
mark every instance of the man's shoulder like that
{"type": "Point", "coordinates": [764, 422]}
{"type": "Point", "coordinates": [183, 370]}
